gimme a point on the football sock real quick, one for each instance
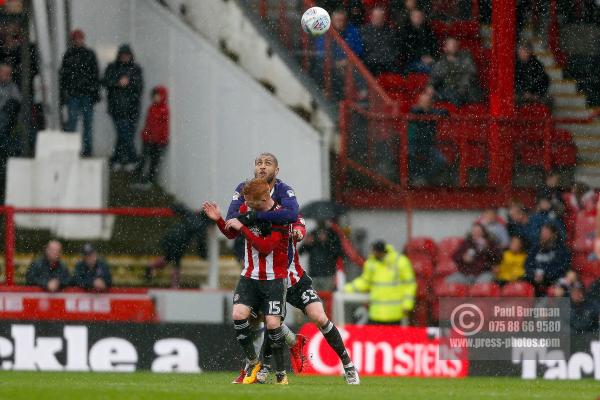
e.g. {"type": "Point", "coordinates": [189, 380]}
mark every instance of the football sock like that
{"type": "Point", "coordinates": [267, 352]}
{"type": "Point", "coordinates": [277, 340]}
{"type": "Point", "coordinates": [258, 332]}
{"type": "Point", "coordinates": [333, 337]}
{"type": "Point", "coordinates": [243, 335]}
{"type": "Point", "coordinates": [290, 337]}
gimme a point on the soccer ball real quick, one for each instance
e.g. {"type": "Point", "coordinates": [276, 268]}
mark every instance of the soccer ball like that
{"type": "Point", "coordinates": [315, 21]}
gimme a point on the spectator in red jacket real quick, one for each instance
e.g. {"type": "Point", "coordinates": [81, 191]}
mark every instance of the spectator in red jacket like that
{"type": "Point", "coordinates": [476, 258]}
{"type": "Point", "coordinates": [155, 138]}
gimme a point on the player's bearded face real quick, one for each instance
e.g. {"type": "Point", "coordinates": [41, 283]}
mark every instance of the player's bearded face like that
{"type": "Point", "coordinates": [265, 167]}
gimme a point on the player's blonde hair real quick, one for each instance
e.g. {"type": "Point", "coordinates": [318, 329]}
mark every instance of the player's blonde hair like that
{"type": "Point", "coordinates": [256, 188]}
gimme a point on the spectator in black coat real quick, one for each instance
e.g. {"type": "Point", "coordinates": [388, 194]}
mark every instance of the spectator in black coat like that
{"type": "Point", "coordinates": [584, 312]}
{"type": "Point", "coordinates": [380, 47]}
{"type": "Point", "coordinates": [48, 271]}
{"type": "Point", "coordinates": [419, 43]}
{"type": "Point", "coordinates": [454, 75]}
{"type": "Point", "coordinates": [174, 243]}
{"type": "Point", "coordinates": [324, 248]}
{"type": "Point", "coordinates": [520, 225]}
{"type": "Point", "coordinates": [124, 83]}
{"type": "Point", "coordinates": [425, 162]}
{"type": "Point", "coordinates": [531, 80]}
{"type": "Point", "coordinates": [91, 272]}
{"type": "Point", "coordinates": [80, 87]}
{"type": "Point", "coordinates": [552, 191]}
{"type": "Point", "coordinates": [548, 260]}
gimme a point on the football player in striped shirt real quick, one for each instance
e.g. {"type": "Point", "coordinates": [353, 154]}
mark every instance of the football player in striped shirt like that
{"type": "Point", "coordinates": [302, 295]}
{"type": "Point", "coordinates": [266, 166]}
{"type": "Point", "coordinates": [263, 281]}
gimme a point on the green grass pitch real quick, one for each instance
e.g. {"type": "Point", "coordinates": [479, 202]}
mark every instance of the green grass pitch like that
{"type": "Point", "coordinates": [147, 386]}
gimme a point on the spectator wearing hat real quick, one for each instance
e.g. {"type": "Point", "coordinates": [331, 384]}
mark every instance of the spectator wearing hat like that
{"type": "Point", "coordinates": [91, 272]}
{"type": "Point", "coordinates": [80, 87]}
{"type": "Point", "coordinates": [155, 138]}
{"type": "Point", "coordinates": [548, 260]}
{"type": "Point", "coordinates": [124, 85]}
{"type": "Point", "coordinates": [48, 271]}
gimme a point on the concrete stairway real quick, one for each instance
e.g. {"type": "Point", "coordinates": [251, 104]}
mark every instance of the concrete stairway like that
{"type": "Point", "coordinates": [570, 104]}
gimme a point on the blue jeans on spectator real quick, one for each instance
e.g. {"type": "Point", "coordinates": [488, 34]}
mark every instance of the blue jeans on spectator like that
{"type": "Point", "coordinates": [81, 105]}
{"type": "Point", "coordinates": [124, 151]}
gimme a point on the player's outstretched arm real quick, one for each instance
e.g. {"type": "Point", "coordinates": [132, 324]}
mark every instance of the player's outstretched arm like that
{"type": "Point", "coordinates": [213, 212]}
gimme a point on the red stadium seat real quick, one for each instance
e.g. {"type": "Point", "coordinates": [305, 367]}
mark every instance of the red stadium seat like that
{"type": "Point", "coordinates": [422, 245]}
{"type": "Point", "coordinates": [444, 105]}
{"type": "Point", "coordinates": [564, 156]}
{"type": "Point", "coordinates": [422, 265]}
{"type": "Point", "coordinates": [477, 109]}
{"type": "Point", "coordinates": [391, 82]}
{"type": "Point", "coordinates": [484, 290]}
{"type": "Point", "coordinates": [562, 136]}
{"type": "Point", "coordinates": [588, 270]}
{"type": "Point", "coordinates": [447, 141]}
{"type": "Point", "coordinates": [443, 289]}
{"type": "Point", "coordinates": [416, 83]}
{"type": "Point", "coordinates": [448, 246]}
{"type": "Point", "coordinates": [534, 110]}
{"type": "Point", "coordinates": [445, 268]}
{"type": "Point", "coordinates": [517, 289]}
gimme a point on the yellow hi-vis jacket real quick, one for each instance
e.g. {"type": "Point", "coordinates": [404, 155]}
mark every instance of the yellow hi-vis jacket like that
{"type": "Point", "coordinates": [391, 285]}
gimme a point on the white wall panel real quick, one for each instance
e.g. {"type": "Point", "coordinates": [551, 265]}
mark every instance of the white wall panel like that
{"type": "Point", "coordinates": [221, 118]}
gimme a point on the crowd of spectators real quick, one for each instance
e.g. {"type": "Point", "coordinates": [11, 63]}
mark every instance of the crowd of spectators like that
{"type": "Point", "coordinates": [399, 39]}
{"type": "Point", "coordinates": [532, 246]}
{"type": "Point", "coordinates": [80, 84]}
{"type": "Point", "coordinates": [50, 273]}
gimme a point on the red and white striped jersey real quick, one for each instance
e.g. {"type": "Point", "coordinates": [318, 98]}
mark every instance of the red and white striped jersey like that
{"type": "Point", "coordinates": [263, 265]}
{"type": "Point", "coordinates": [266, 257]}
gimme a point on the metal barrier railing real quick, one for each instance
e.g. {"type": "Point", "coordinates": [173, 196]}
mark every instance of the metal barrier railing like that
{"type": "Point", "coordinates": [10, 227]}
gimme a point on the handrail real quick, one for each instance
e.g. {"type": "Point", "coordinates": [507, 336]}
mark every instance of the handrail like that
{"type": "Point", "coordinates": [354, 60]}
{"type": "Point", "coordinates": [398, 128]}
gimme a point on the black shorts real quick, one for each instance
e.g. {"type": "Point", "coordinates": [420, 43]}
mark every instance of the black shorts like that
{"type": "Point", "coordinates": [266, 297]}
{"type": "Point", "coordinates": [302, 293]}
